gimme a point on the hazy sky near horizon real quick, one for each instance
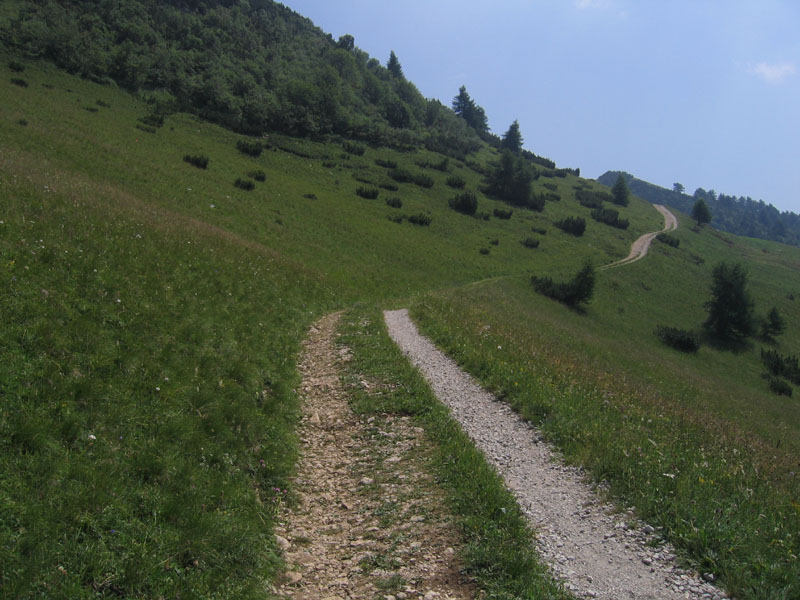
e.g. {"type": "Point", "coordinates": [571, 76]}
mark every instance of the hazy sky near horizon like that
{"type": "Point", "coordinates": [702, 92]}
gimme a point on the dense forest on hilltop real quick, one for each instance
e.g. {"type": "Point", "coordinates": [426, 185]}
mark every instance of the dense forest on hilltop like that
{"type": "Point", "coordinates": [740, 216]}
{"type": "Point", "coordinates": [252, 66]}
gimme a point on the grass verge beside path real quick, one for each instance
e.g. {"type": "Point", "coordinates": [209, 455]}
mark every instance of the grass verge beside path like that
{"type": "Point", "coordinates": [708, 492]}
{"type": "Point", "coordinates": [499, 550]}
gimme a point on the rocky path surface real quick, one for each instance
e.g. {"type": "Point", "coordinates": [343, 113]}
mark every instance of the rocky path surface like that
{"type": "Point", "coordinates": [640, 247]}
{"type": "Point", "coordinates": [369, 522]}
{"type": "Point", "coordinates": [597, 553]}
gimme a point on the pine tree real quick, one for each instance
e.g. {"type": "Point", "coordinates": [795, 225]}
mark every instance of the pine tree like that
{"type": "Point", "coordinates": [701, 212]}
{"type": "Point", "coordinates": [730, 310]}
{"type": "Point", "coordinates": [773, 325]}
{"type": "Point", "coordinates": [620, 191]}
{"type": "Point", "coordinates": [512, 139]}
{"type": "Point", "coordinates": [474, 115]}
{"type": "Point", "coordinates": [394, 66]}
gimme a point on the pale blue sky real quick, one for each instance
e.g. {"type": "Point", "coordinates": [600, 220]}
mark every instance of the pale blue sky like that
{"type": "Point", "coordinates": [702, 92]}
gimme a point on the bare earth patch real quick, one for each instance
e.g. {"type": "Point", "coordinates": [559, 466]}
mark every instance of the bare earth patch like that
{"type": "Point", "coordinates": [595, 551]}
{"type": "Point", "coordinates": [369, 521]}
{"type": "Point", "coordinates": [640, 247]}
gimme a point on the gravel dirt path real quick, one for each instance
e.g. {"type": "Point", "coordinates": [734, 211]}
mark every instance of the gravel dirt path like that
{"type": "Point", "coordinates": [597, 552]}
{"type": "Point", "coordinates": [640, 247]}
{"type": "Point", "coordinates": [369, 523]}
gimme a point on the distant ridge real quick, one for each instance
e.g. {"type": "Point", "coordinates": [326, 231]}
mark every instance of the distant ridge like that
{"type": "Point", "coordinates": [740, 216]}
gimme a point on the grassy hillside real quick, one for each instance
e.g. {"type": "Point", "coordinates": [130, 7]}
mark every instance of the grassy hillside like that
{"type": "Point", "coordinates": [153, 311]}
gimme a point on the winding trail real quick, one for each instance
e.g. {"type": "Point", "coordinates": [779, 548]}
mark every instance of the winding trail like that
{"type": "Point", "coordinates": [596, 552]}
{"type": "Point", "coordinates": [640, 247]}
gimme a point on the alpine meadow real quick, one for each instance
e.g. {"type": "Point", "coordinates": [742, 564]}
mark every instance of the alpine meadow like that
{"type": "Point", "coordinates": [187, 187]}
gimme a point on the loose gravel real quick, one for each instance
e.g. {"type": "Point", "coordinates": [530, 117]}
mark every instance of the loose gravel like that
{"type": "Point", "coordinates": [595, 550]}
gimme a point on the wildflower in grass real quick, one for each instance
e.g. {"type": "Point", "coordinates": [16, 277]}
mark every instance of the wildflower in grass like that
{"type": "Point", "coordinates": [91, 437]}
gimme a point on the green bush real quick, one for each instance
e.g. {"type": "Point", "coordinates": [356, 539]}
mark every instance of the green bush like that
{"type": "Point", "coordinates": [781, 366]}
{"type": "Point", "coordinates": [197, 160]}
{"type": "Point", "coordinates": [494, 242]}
{"type": "Point", "coordinates": [16, 66]}
{"type": "Point", "coordinates": [484, 251]}
{"type": "Point", "coordinates": [394, 202]}
{"type": "Point", "coordinates": [250, 148]}
{"type": "Point", "coordinates": [368, 193]}
{"type": "Point", "coordinates": [668, 239]}
{"type": "Point", "coordinates": [780, 387]}
{"type": "Point", "coordinates": [539, 230]}
{"type": "Point", "coordinates": [258, 175]}
{"type": "Point", "coordinates": [22, 123]}
{"type": "Point", "coordinates": [456, 181]}
{"type": "Point", "coordinates": [310, 196]}
{"type": "Point", "coordinates": [354, 148]}
{"type": "Point", "coordinates": [680, 339]}
{"type": "Point", "coordinates": [420, 219]}
{"type": "Point", "coordinates": [388, 164]}
{"type": "Point", "coordinates": [551, 186]}
{"type": "Point", "coordinates": [245, 184]}
{"type": "Point", "coordinates": [152, 120]}
{"type": "Point", "coordinates": [466, 203]}
{"type": "Point", "coordinates": [530, 242]}
{"type": "Point", "coordinates": [574, 225]}
{"type": "Point", "coordinates": [388, 185]}
{"type": "Point", "coordinates": [401, 176]}
{"type": "Point", "coordinates": [424, 181]}
{"type": "Point", "coordinates": [609, 216]}
{"type": "Point", "coordinates": [592, 199]}
{"type": "Point", "coordinates": [503, 214]}
{"type": "Point", "coordinates": [572, 293]}
{"type": "Point", "coordinates": [19, 82]}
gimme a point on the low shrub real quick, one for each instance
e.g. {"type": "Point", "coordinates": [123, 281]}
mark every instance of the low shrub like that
{"type": "Point", "coordinates": [91, 109]}
{"type": "Point", "coordinates": [579, 289]}
{"type": "Point", "coordinates": [362, 179]}
{"type": "Point", "coordinates": [394, 202]}
{"type": "Point", "coordinates": [573, 225]}
{"type": "Point", "coordinates": [103, 104]}
{"type": "Point", "coordinates": [396, 218]}
{"type": "Point", "coordinates": [16, 66]}
{"type": "Point", "coordinates": [494, 242]}
{"type": "Point", "coordinates": [484, 251]}
{"type": "Point", "coordinates": [424, 181]}
{"type": "Point", "coordinates": [420, 219]}
{"type": "Point", "coordinates": [401, 176]}
{"type": "Point", "coordinates": [258, 175]}
{"type": "Point", "coordinates": [551, 186]}
{"type": "Point", "coordinates": [551, 197]}
{"type": "Point", "coordinates": [245, 184]}
{"type": "Point", "coordinates": [145, 128]}
{"type": "Point", "coordinates": [780, 387]}
{"type": "Point", "coordinates": [22, 122]}
{"type": "Point", "coordinates": [152, 120]}
{"type": "Point", "coordinates": [539, 230]}
{"type": "Point", "coordinates": [197, 160]}
{"type": "Point", "coordinates": [20, 82]}
{"type": "Point", "coordinates": [503, 214]}
{"type": "Point", "coordinates": [368, 193]}
{"type": "Point", "coordinates": [250, 148]}
{"type": "Point", "coordinates": [668, 239]}
{"type": "Point", "coordinates": [388, 164]}
{"type": "Point", "coordinates": [466, 203]}
{"type": "Point", "coordinates": [592, 199]}
{"type": "Point", "coordinates": [388, 185]}
{"type": "Point", "coordinates": [310, 196]}
{"type": "Point", "coordinates": [680, 339]}
{"type": "Point", "coordinates": [442, 166]}
{"type": "Point", "coordinates": [329, 164]}
{"type": "Point", "coordinates": [781, 366]}
{"type": "Point", "coordinates": [609, 216]}
{"type": "Point", "coordinates": [456, 181]}
{"type": "Point", "coordinates": [354, 148]}
{"type": "Point", "coordinates": [483, 215]}
{"type": "Point", "coordinates": [530, 242]}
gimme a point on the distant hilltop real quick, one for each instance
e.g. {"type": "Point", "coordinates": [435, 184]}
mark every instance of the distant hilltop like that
{"type": "Point", "coordinates": [740, 216]}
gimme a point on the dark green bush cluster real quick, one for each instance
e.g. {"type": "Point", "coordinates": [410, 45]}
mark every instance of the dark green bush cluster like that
{"type": "Point", "coordinates": [20, 82]}
{"type": "Point", "coordinates": [154, 119]}
{"type": "Point", "coordinates": [145, 128]}
{"type": "Point", "coordinates": [394, 202]}
{"type": "Point", "coordinates": [251, 148]}
{"type": "Point", "coordinates": [483, 215]}
{"type": "Point", "coordinates": [396, 218]}
{"type": "Point", "coordinates": [388, 185]}
{"type": "Point", "coordinates": [457, 182]}
{"type": "Point", "coordinates": [420, 219]}
{"type": "Point", "coordinates": [465, 202]}
{"type": "Point", "coordinates": [401, 175]}
{"type": "Point", "coordinates": [22, 122]}
{"type": "Point", "coordinates": [258, 175]}
{"type": "Point", "coordinates": [680, 339]}
{"type": "Point", "coordinates": [538, 160]}
{"type": "Point", "coordinates": [668, 239]}
{"type": "Point", "coordinates": [442, 166]}
{"type": "Point", "coordinates": [502, 213]}
{"type": "Point", "coordinates": [198, 160]}
{"type": "Point", "coordinates": [609, 216]}
{"type": "Point", "coordinates": [781, 366]}
{"type": "Point", "coordinates": [354, 148]}
{"type": "Point", "coordinates": [574, 225]}
{"type": "Point", "coordinates": [368, 193]}
{"type": "Point", "coordinates": [362, 178]}
{"type": "Point", "coordinates": [16, 66]}
{"type": "Point", "coordinates": [530, 242]}
{"type": "Point", "coordinates": [245, 184]}
{"type": "Point", "coordinates": [539, 230]}
{"type": "Point", "coordinates": [387, 164]}
{"type": "Point", "coordinates": [579, 289]}
{"type": "Point", "coordinates": [91, 109]}
{"type": "Point", "coordinates": [551, 186]}
{"type": "Point", "coordinates": [329, 164]}
{"type": "Point", "coordinates": [551, 197]}
{"type": "Point", "coordinates": [484, 251]}
{"type": "Point", "coordinates": [423, 181]}
{"type": "Point", "coordinates": [592, 199]}
{"type": "Point", "coordinates": [780, 387]}
{"type": "Point", "coordinates": [310, 196]}
{"type": "Point", "coordinates": [103, 104]}
{"type": "Point", "coordinates": [494, 242]}
{"type": "Point", "coordinates": [477, 167]}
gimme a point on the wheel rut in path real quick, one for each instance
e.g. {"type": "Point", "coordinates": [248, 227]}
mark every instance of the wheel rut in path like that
{"type": "Point", "coordinates": [597, 553]}
{"type": "Point", "coordinates": [369, 521]}
{"type": "Point", "coordinates": [640, 247]}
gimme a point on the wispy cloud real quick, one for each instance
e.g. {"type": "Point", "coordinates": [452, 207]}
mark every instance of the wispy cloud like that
{"type": "Point", "coordinates": [772, 73]}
